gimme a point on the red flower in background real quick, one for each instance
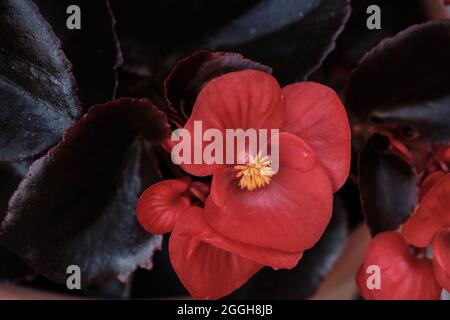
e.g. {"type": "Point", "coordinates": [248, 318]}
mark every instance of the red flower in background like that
{"type": "Point", "coordinates": [403, 276]}
{"type": "Point", "coordinates": [430, 225]}
{"type": "Point", "coordinates": [432, 215]}
{"type": "Point", "coordinates": [253, 217]}
{"type": "Point", "coordinates": [409, 274]}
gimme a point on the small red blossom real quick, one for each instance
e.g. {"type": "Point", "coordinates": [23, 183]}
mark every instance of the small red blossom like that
{"type": "Point", "coordinates": [253, 216]}
{"type": "Point", "coordinates": [403, 276]}
{"type": "Point", "coordinates": [166, 200]}
{"type": "Point", "coordinates": [406, 271]}
{"type": "Point", "coordinates": [432, 215]}
{"type": "Point", "coordinates": [430, 225]}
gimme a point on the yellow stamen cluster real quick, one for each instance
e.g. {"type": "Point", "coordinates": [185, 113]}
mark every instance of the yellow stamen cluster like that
{"type": "Point", "coordinates": [255, 174]}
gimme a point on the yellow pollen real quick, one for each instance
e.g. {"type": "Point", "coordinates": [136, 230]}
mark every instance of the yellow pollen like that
{"type": "Point", "coordinates": [255, 174]}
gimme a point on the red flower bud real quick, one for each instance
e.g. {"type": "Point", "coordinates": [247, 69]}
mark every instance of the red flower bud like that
{"type": "Point", "coordinates": [160, 205]}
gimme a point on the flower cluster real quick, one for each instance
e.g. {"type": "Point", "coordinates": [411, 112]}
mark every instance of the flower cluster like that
{"type": "Point", "coordinates": [406, 269]}
{"type": "Point", "coordinates": [247, 216]}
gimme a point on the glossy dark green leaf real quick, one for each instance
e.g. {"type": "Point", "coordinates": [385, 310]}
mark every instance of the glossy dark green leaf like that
{"type": "Point", "coordinates": [10, 265]}
{"type": "Point", "coordinates": [93, 49]}
{"type": "Point", "coordinates": [292, 36]}
{"type": "Point", "coordinates": [404, 83]}
{"type": "Point", "coordinates": [37, 89]}
{"type": "Point", "coordinates": [387, 185]}
{"type": "Point", "coordinates": [76, 205]}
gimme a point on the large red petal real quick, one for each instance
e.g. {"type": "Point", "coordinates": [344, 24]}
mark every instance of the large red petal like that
{"type": "Point", "coordinates": [246, 99]}
{"type": "Point", "coordinates": [441, 258]}
{"type": "Point", "coordinates": [402, 276]}
{"type": "Point", "coordinates": [206, 271]}
{"type": "Point", "coordinates": [316, 114]}
{"type": "Point", "coordinates": [290, 214]}
{"type": "Point", "coordinates": [193, 223]}
{"type": "Point", "coordinates": [160, 205]}
{"type": "Point", "coordinates": [432, 215]}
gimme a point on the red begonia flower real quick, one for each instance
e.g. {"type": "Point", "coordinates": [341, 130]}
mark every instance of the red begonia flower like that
{"type": "Point", "coordinates": [253, 216]}
{"type": "Point", "coordinates": [441, 258]}
{"type": "Point", "coordinates": [291, 212]}
{"type": "Point", "coordinates": [402, 275]}
{"type": "Point", "coordinates": [432, 215]}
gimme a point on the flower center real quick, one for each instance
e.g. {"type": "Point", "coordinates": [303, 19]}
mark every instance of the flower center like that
{"type": "Point", "coordinates": [256, 173]}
